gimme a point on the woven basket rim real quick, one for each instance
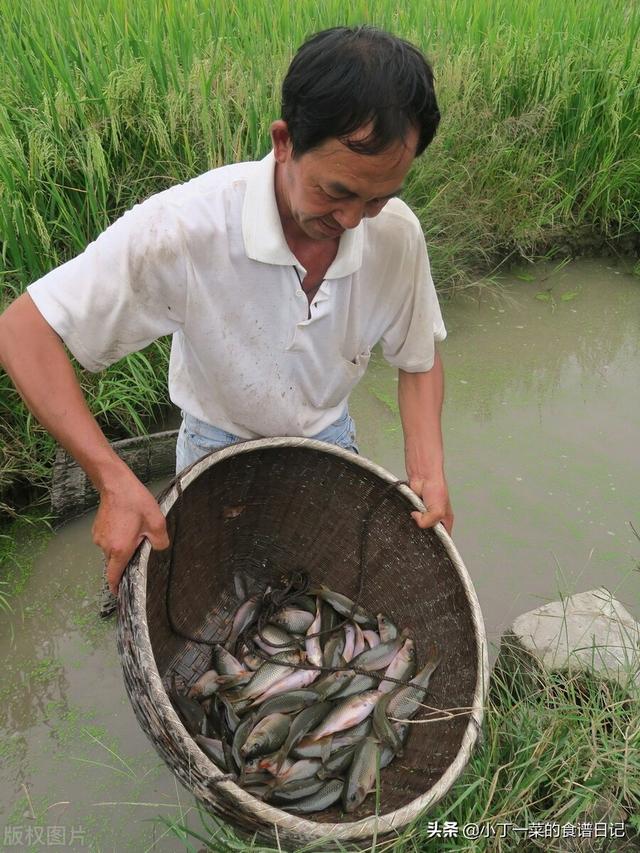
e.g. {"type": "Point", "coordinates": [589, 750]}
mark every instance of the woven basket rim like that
{"type": "Point", "coordinates": [390, 822]}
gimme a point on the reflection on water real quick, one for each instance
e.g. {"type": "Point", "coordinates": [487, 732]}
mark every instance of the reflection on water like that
{"type": "Point", "coordinates": [541, 423]}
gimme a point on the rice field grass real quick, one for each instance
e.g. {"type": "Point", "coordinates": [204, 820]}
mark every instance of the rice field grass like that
{"type": "Point", "coordinates": [102, 104]}
{"type": "Point", "coordinates": [561, 752]}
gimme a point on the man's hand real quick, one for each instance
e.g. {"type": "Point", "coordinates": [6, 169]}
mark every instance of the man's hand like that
{"type": "Point", "coordinates": [435, 496]}
{"type": "Point", "coordinates": [128, 514]}
{"type": "Point", "coordinates": [420, 397]}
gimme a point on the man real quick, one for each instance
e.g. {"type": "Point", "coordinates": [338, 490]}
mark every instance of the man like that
{"type": "Point", "coordinates": [275, 278]}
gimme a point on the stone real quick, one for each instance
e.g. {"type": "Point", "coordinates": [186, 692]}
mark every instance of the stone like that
{"type": "Point", "coordinates": [587, 632]}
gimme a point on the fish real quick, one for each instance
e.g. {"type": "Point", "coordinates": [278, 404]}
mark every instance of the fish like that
{"type": "Point", "coordinates": [302, 769]}
{"type": "Point", "coordinates": [408, 699]}
{"type": "Point", "coordinates": [382, 725]}
{"type": "Point", "coordinates": [299, 679]}
{"type": "Point", "coordinates": [301, 725]}
{"type": "Point", "coordinates": [337, 763]}
{"type": "Point", "coordinates": [347, 713]}
{"type": "Point", "coordinates": [312, 644]}
{"type": "Point", "coordinates": [358, 684]}
{"type": "Point", "coordinates": [362, 774]}
{"type": "Point", "coordinates": [190, 712]}
{"type": "Point", "coordinates": [332, 651]}
{"type": "Point", "coordinates": [239, 739]}
{"type": "Point", "coordinates": [269, 673]}
{"type": "Point", "coordinates": [360, 644]}
{"type": "Point", "coordinates": [349, 642]}
{"type": "Point", "coordinates": [372, 638]}
{"type": "Point", "coordinates": [269, 734]}
{"type": "Point", "coordinates": [224, 662]}
{"type": "Point", "coordinates": [344, 606]}
{"type": "Point", "coordinates": [244, 615]}
{"type": "Point", "coordinates": [377, 658]}
{"type": "Point", "coordinates": [212, 748]}
{"type": "Point", "coordinates": [386, 628]}
{"type": "Point", "coordinates": [292, 619]}
{"type": "Point", "coordinates": [329, 685]}
{"type": "Point", "coordinates": [322, 799]}
{"type": "Point", "coordinates": [273, 639]}
{"type": "Point", "coordinates": [211, 682]}
{"type": "Point", "coordinates": [296, 789]}
{"type": "Point", "coordinates": [286, 703]}
{"type": "Point", "coordinates": [271, 711]}
{"type": "Point", "coordinates": [402, 667]}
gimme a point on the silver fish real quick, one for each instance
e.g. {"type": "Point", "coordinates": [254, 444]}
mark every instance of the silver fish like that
{"type": "Point", "coordinates": [269, 673]}
{"type": "Point", "coordinates": [293, 619]}
{"type": "Point", "coordinates": [347, 713]}
{"type": "Point", "coordinates": [345, 606]}
{"type": "Point", "coordinates": [296, 700]}
{"type": "Point", "coordinates": [269, 734]}
{"type": "Point", "coordinates": [406, 702]}
{"type": "Point", "coordinates": [349, 642]}
{"type": "Point", "coordinates": [296, 790]}
{"type": "Point", "coordinates": [362, 774]}
{"type": "Point", "coordinates": [386, 628]}
{"type": "Point", "coordinates": [303, 769]}
{"type": "Point", "coordinates": [337, 763]}
{"type": "Point", "coordinates": [239, 739]}
{"type": "Point", "coordinates": [312, 644]}
{"type": "Point", "coordinates": [357, 685]}
{"type": "Point", "coordinates": [382, 725]}
{"type": "Point", "coordinates": [212, 747]}
{"type": "Point", "coordinates": [245, 614]}
{"type": "Point", "coordinates": [325, 797]}
{"type": "Point", "coordinates": [211, 682]}
{"type": "Point", "coordinates": [273, 639]}
{"type": "Point", "coordinates": [332, 651]}
{"type": "Point", "coordinates": [360, 644]}
{"type": "Point", "coordinates": [224, 662]}
{"type": "Point", "coordinates": [329, 685]}
{"type": "Point", "coordinates": [296, 680]}
{"type": "Point", "coordinates": [377, 658]}
{"type": "Point", "coordinates": [372, 638]}
{"type": "Point", "coordinates": [301, 725]}
{"type": "Point", "coordinates": [402, 667]}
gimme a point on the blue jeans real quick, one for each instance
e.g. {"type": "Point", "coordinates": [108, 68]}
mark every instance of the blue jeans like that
{"type": "Point", "coordinates": [197, 438]}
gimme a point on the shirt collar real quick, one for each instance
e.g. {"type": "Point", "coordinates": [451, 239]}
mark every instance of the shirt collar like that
{"type": "Point", "coordinates": [262, 232]}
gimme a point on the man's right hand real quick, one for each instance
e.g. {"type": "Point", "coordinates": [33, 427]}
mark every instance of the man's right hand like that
{"type": "Point", "coordinates": [128, 514]}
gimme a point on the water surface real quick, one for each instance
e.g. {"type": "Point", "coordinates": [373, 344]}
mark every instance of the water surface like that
{"type": "Point", "coordinates": [541, 428]}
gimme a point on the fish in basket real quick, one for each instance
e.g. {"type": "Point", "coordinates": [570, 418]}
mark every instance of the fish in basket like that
{"type": "Point", "coordinates": [299, 616]}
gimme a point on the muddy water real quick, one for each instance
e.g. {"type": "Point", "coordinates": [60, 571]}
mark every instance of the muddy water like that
{"type": "Point", "coordinates": [541, 424]}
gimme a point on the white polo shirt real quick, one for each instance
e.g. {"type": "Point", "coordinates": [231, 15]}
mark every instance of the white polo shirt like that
{"type": "Point", "coordinates": [207, 262]}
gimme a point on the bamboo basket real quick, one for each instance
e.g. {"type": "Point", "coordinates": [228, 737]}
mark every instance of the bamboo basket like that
{"type": "Point", "coordinates": [267, 508]}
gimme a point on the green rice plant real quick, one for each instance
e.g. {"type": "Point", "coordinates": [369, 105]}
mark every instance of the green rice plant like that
{"type": "Point", "coordinates": [102, 105]}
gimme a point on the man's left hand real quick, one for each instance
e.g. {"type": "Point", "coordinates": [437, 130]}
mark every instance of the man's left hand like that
{"type": "Point", "coordinates": [435, 496]}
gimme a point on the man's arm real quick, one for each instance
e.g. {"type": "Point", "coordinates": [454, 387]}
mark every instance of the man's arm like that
{"type": "Point", "coordinates": [420, 396]}
{"type": "Point", "coordinates": [35, 358]}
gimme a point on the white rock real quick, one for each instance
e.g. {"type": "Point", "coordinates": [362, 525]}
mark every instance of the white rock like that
{"type": "Point", "coordinates": [589, 631]}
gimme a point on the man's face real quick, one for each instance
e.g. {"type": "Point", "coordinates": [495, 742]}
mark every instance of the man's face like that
{"type": "Point", "coordinates": [331, 188]}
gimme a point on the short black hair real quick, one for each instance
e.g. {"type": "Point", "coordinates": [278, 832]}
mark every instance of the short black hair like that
{"type": "Point", "coordinates": [347, 77]}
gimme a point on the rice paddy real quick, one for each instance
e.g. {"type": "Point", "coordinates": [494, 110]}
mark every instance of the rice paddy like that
{"type": "Point", "coordinates": [103, 104]}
